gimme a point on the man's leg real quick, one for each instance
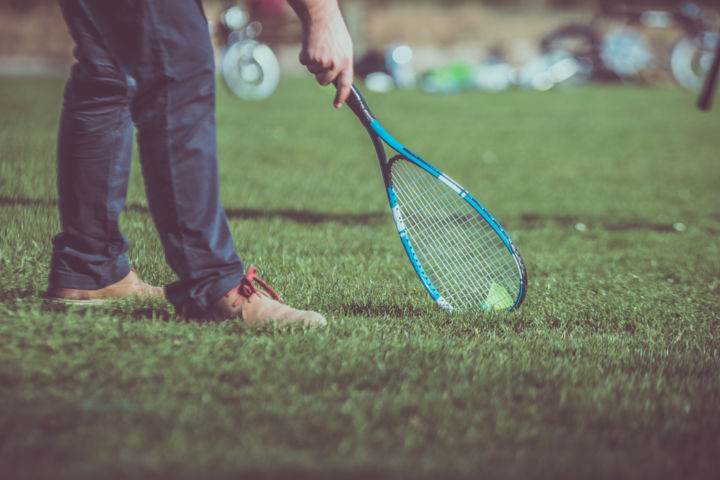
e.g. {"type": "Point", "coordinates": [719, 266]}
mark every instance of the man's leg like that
{"type": "Point", "coordinates": [175, 119]}
{"type": "Point", "coordinates": [94, 154]}
{"type": "Point", "coordinates": [164, 48]}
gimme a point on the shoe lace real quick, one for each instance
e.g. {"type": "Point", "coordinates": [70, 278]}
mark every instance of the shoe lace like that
{"type": "Point", "coordinates": [247, 289]}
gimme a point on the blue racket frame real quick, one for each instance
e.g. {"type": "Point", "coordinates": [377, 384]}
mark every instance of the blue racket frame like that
{"type": "Point", "coordinates": [380, 137]}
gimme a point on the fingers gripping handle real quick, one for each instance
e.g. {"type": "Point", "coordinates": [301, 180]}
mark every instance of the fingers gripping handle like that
{"type": "Point", "coordinates": [360, 108]}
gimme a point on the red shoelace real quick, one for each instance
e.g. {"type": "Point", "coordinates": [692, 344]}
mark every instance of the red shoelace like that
{"type": "Point", "coordinates": [247, 289]}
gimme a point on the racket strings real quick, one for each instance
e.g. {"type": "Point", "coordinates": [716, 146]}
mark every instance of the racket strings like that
{"type": "Point", "coordinates": [461, 253]}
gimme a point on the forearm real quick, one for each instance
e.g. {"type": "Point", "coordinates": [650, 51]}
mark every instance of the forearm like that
{"type": "Point", "coordinates": [315, 11]}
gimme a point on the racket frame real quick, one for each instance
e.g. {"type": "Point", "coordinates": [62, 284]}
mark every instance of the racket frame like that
{"type": "Point", "coordinates": [380, 138]}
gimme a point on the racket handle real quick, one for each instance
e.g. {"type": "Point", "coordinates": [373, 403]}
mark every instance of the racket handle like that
{"type": "Point", "coordinates": [710, 81]}
{"type": "Point", "coordinates": [360, 108]}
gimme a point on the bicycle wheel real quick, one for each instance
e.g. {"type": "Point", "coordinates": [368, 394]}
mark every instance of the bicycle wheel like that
{"type": "Point", "coordinates": [691, 58]}
{"type": "Point", "coordinates": [250, 70]}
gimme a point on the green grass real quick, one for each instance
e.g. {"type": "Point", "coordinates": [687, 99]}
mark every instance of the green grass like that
{"type": "Point", "coordinates": [611, 368]}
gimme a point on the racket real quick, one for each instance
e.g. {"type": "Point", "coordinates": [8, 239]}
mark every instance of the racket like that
{"type": "Point", "coordinates": [463, 256]}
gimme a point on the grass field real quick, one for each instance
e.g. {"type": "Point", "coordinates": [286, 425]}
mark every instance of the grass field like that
{"type": "Point", "coordinates": [610, 369]}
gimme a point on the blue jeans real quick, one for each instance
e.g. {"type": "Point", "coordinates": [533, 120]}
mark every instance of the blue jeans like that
{"type": "Point", "coordinates": [146, 64]}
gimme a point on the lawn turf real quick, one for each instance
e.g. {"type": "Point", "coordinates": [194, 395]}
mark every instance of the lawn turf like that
{"type": "Point", "coordinates": [610, 369]}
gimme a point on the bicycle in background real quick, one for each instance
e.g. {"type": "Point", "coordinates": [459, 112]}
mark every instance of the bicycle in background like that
{"type": "Point", "coordinates": [249, 68]}
{"type": "Point", "coordinates": [630, 44]}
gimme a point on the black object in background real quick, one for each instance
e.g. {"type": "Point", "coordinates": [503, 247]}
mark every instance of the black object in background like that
{"type": "Point", "coordinates": [706, 94]}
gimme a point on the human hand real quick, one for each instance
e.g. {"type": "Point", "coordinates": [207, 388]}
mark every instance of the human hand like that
{"type": "Point", "coordinates": [327, 49]}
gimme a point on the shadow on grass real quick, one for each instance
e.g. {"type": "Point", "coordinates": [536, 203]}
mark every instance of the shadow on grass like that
{"type": "Point", "coordinates": [131, 309]}
{"type": "Point", "coordinates": [532, 221]}
{"type": "Point", "coordinates": [140, 309]}
{"type": "Point", "coordinates": [307, 216]}
{"type": "Point", "coordinates": [526, 221]}
{"type": "Point", "coordinates": [299, 216]}
{"type": "Point", "coordinates": [383, 309]}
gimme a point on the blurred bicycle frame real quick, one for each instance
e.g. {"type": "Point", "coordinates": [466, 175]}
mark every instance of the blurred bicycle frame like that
{"type": "Point", "coordinates": [618, 44]}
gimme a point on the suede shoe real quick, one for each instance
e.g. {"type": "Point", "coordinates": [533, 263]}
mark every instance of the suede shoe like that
{"type": "Point", "coordinates": [256, 307]}
{"type": "Point", "coordinates": [130, 286]}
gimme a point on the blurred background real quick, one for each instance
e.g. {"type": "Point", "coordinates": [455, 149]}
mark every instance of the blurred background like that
{"type": "Point", "coordinates": [437, 46]}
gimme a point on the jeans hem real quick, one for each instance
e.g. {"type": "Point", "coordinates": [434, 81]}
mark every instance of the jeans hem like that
{"type": "Point", "coordinates": [60, 279]}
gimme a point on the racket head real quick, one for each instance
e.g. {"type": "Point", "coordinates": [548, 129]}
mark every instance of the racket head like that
{"type": "Point", "coordinates": [462, 255]}
{"type": "Point", "coordinates": [480, 267]}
